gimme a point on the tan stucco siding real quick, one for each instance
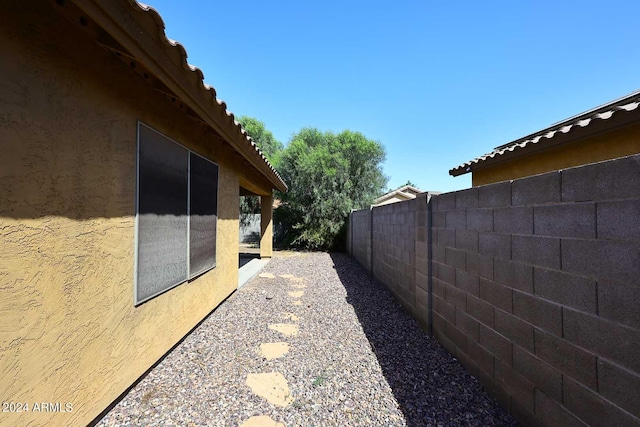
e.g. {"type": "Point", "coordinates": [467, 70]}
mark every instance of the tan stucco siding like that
{"type": "Point", "coordinates": [610, 145]}
{"type": "Point", "coordinates": [69, 331]}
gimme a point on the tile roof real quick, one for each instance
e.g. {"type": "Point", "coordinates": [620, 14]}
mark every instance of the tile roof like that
{"type": "Point", "coordinates": [135, 30]}
{"type": "Point", "coordinates": [551, 135]}
{"type": "Point", "coordinates": [406, 191]}
{"type": "Point", "coordinates": [177, 51]}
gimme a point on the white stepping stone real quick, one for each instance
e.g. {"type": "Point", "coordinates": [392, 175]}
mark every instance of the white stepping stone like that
{"type": "Point", "coordinates": [273, 350]}
{"type": "Point", "coordinates": [292, 278]}
{"type": "Point", "coordinates": [271, 386]}
{"type": "Point", "coordinates": [291, 316]}
{"type": "Point", "coordinates": [287, 329]}
{"type": "Point", "coordinates": [261, 421]}
{"type": "Point", "coordinates": [267, 276]}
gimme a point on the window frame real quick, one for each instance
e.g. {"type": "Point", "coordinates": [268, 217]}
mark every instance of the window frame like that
{"type": "Point", "coordinates": [189, 277]}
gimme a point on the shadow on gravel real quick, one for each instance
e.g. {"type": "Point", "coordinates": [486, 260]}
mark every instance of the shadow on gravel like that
{"type": "Point", "coordinates": [430, 386]}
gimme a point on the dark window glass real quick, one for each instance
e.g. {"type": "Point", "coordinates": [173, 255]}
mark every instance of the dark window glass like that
{"type": "Point", "coordinates": [177, 214]}
{"type": "Point", "coordinates": [203, 203]}
{"type": "Point", "coordinates": [162, 214]}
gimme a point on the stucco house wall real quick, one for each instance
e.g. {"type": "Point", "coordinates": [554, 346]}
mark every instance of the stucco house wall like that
{"type": "Point", "coordinates": [69, 330]}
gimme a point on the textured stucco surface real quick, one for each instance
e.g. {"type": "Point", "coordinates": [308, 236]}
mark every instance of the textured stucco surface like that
{"type": "Point", "coordinates": [610, 145]}
{"type": "Point", "coordinates": [69, 331]}
{"type": "Point", "coordinates": [266, 226]}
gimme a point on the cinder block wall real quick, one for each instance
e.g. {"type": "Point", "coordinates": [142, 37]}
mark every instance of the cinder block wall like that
{"type": "Point", "coordinates": [391, 242]}
{"type": "Point", "coordinates": [360, 237]}
{"type": "Point", "coordinates": [251, 232]}
{"type": "Point", "coordinates": [393, 250]}
{"type": "Point", "coordinates": [536, 291]}
{"type": "Point", "coordinates": [535, 287]}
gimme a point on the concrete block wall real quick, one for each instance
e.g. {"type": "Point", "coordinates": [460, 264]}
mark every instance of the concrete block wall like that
{"type": "Point", "coordinates": [533, 284]}
{"type": "Point", "coordinates": [250, 233]}
{"type": "Point", "coordinates": [536, 290]}
{"type": "Point", "coordinates": [359, 237]}
{"type": "Point", "coordinates": [394, 264]}
{"type": "Point", "coordinates": [392, 243]}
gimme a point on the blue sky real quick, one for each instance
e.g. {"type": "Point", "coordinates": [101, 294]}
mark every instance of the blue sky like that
{"type": "Point", "coordinates": [437, 83]}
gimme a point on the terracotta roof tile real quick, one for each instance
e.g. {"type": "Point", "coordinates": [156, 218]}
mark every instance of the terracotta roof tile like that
{"type": "Point", "coordinates": [524, 145]}
{"type": "Point", "coordinates": [153, 23]}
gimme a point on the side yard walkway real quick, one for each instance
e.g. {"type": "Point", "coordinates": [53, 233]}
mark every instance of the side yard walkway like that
{"type": "Point", "coordinates": [311, 341]}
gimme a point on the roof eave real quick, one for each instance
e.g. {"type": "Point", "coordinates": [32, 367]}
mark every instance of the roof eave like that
{"type": "Point", "coordinates": [132, 25]}
{"type": "Point", "coordinates": [565, 132]}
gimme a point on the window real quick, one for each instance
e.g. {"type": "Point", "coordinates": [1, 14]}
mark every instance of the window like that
{"type": "Point", "coordinates": [177, 206]}
{"type": "Point", "coordinates": [203, 214]}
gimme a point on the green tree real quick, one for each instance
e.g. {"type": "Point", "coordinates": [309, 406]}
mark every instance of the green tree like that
{"type": "Point", "coordinates": [328, 175]}
{"type": "Point", "coordinates": [263, 138]}
{"type": "Point", "coordinates": [271, 148]}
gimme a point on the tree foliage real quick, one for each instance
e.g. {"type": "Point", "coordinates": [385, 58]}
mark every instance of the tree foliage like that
{"type": "Point", "coordinates": [328, 175]}
{"type": "Point", "coordinates": [263, 138]}
{"type": "Point", "coordinates": [271, 148]}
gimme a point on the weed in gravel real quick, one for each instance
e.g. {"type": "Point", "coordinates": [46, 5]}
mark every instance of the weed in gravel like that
{"type": "Point", "coordinates": [319, 381]}
{"type": "Point", "coordinates": [297, 404]}
{"type": "Point", "coordinates": [150, 395]}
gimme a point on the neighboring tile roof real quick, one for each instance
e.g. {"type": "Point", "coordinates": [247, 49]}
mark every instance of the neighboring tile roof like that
{"type": "Point", "coordinates": [407, 192]}
{"type": "Point", "coordinates": [549, 135]}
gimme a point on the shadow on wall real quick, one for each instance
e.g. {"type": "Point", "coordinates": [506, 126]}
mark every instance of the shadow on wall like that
{"type": "Point", "coordinates": [69, 149]}
{"type": "Point", "coordinates": [84, 193]}
{"type": "Point", "coordinates": [430, 386]}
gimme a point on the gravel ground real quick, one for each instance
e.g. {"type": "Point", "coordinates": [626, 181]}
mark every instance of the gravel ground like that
{"type": "Point", "coordinates": [358, 360]}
